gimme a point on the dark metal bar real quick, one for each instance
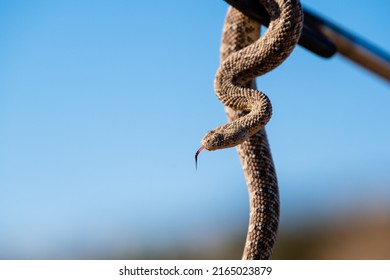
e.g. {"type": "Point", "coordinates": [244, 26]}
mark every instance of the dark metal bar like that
{"type": "Point", "coordinates": [352, 47]}
{"type": "Point", "coordinates": [311, 40]}
{"type": "Point", "coordinates": [325, 38]}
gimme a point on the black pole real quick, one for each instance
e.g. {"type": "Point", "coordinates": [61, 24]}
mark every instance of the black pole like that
{"type": "Point", "coordinates": [325, 38]}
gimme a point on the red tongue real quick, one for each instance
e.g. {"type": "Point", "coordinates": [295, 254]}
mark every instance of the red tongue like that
{"type": "Point", "coordinates": [196, 156]}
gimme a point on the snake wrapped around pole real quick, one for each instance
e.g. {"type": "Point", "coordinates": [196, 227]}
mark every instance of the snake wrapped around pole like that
{"type": "Point", "coordinates": [245, 56]}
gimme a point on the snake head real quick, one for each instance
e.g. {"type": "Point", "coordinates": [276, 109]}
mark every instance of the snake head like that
{"type": "Point", "coordinates": [225, 136]}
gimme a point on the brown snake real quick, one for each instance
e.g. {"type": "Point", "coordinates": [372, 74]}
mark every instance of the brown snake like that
{"type": "Point", "coordinates": [244, 57]}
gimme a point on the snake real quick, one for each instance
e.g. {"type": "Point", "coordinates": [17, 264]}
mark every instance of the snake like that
{"type": "Point", "coordinates": [245, 56]}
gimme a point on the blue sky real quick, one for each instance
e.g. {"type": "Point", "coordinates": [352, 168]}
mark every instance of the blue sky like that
{"type": "Point", "coordinates": [104, 103]}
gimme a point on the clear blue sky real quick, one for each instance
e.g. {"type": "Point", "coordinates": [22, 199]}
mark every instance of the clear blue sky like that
{"type": "Point", "coordinates": [104, 103]}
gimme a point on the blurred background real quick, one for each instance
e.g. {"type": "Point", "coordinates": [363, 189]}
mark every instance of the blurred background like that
{"type": "Point", "coordinates": [104, 103]}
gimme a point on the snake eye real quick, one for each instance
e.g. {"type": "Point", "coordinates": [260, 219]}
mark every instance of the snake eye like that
{"type": "Point", "coordinates": [215, 136]}
{"type": "Point", "coordinates": [218, 137]}
{"type": "Point", "coordinates": [213, 140]}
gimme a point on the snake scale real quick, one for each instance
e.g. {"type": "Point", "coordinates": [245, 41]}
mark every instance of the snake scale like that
{"type": "Point", "coordinates": [244, 57]}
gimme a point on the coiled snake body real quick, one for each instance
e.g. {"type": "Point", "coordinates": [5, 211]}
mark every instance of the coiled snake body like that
{"type": "Point", "coordinates": [244, 57]}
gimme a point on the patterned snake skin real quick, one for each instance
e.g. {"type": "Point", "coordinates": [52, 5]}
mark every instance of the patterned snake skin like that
{"type": "Point", "coordinates": [244, 57]}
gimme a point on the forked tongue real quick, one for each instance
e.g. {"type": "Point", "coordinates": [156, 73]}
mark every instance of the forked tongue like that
{"type": "Point", "coordinates": [196, 156]}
